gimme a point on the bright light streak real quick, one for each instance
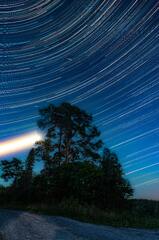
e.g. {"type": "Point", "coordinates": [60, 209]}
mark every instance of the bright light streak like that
{"type": "Point", "coordinates": [18, 144]}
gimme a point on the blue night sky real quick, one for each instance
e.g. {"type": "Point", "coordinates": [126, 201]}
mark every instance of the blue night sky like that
{"type": "Point", "coordinates": [101, 55]}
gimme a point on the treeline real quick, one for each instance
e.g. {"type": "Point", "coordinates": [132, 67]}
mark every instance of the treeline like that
{"type": "Point", "coordinates": [75, 165]}
{"type": "Point", "coordinates": [146, 207]}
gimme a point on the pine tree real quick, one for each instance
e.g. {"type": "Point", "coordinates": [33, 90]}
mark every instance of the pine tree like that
{"type": "Point", "coordinates": [70, 135]}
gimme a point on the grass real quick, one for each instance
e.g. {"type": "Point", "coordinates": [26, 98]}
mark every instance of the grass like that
{"type": "Point", "coordinates": [74, 210]}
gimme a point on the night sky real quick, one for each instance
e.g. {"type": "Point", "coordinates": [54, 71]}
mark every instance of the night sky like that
{"type": "Point", "coordinates": [101, 55]}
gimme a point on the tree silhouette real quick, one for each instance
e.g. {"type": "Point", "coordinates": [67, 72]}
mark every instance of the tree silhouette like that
{"type": "Point", "coordinates": [12, 170]}
{"type": "Point", "coordinates": [70, 135]}
{"type": "Point", "coordinates": [115, 189]}
{"type": "Point", "coordinates": [28, 175]}
{"type": "Point", "coordinates": [29, 163]}
{"type": "Point", "coordinates": [73, 164]}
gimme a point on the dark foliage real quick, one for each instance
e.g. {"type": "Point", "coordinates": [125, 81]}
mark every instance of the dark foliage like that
{"type": "Point", "coordinates": [74, 167]}
{"type": "Point", "coordinates": [71, 135]}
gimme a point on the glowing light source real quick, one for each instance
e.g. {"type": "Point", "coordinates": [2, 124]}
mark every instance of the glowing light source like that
{"type": "Point", "coordinates": [18, 144]}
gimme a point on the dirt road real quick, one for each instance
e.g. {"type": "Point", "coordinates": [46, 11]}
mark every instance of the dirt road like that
{"type": "Point", "coordinates": [17, 225]}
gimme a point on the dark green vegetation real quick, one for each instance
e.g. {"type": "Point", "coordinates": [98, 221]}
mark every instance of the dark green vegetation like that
{"type": "Point", "coordinates": [80, 178]}
{"type": "Point", "coordinates": [142, 214]}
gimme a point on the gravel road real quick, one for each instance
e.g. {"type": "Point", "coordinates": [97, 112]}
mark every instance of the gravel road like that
{"type": "Point", "coordinates": [18, 225]}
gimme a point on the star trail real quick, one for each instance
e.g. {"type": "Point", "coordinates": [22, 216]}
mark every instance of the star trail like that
{"type": "Point", "coordinates": [99, 54]}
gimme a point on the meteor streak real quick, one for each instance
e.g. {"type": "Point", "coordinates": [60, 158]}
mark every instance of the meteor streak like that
{"type": "Point", "coordinates": [18, 144]}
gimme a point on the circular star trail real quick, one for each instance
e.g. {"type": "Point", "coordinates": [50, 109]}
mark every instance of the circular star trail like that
{"type": "Point", "coordinates": [99, 54]}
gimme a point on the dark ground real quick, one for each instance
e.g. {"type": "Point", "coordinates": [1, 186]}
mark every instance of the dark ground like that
{"type": "Point", "coordinates": [19, 225]}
